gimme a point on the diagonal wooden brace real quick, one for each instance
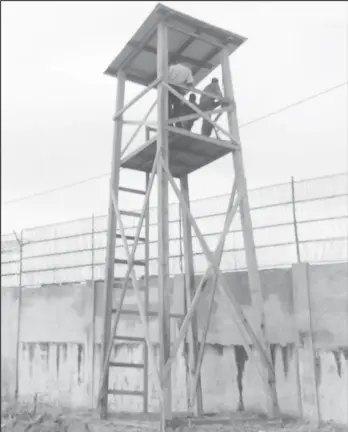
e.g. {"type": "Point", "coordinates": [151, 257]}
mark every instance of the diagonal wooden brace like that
{"type": "Point", "coordinates": [143, 123]}
{"type": "Point", "coordinates": [196, 298]}
{"type": "Point", "coordinates": [240, 318]}
{"type": "Point", "coordinates": [139, 96]}
{"type": "Point", "coordinates": [201, 113]}
{"type": "Point", "coordinates": [214, 283]}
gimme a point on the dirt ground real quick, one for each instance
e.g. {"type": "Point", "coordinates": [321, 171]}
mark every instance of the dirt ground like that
{"type": "Point", "coordinates": [42, 418]}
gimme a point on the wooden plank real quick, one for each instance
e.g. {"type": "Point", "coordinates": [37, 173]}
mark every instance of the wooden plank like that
{"type": "Point", "coordinates": [129, 339]}
{"type": "Point", "coordinates": [130, 213]}
{"type": "Point", "coordinates": [163, 221]}
{"type": "Point", "coordinates": [249, 244]}
{"type": "Point", "coordinates": [125, 262]}
{"type": "Point", "coordinates": [129, 237]}
{"type": "Point", "coordinates": [125, 392]}
{"type": "Point", "coordinates": [150, 313]}
{"type": "Point", "coordinates": [147, 288]}
{"type": "Point", "coordinates": [130, 190]}
{"type": "Point", "coordinates": [127, 365]}
{"type": "Point", "coordinates": [190, 292]}
{"type": "Point", "coordinates": [111, 239]}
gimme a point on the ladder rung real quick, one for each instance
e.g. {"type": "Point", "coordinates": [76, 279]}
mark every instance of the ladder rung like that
{"type": "Point", "coordinates": [129, 365]}
{"type": "Point", "coordinates": [129, 237]}
{"type": "Point", "coordinates": [126, 392]}
{"type": "Point", "coordinates": [130, 213]}
{"type": "Point", "coordinates": [135, 262]}
{"type": "Point", "coordinates": [130, 190]}
{"type": "Point", "coordinates": [129, 339]}
{"type": "Point", "coordinates": [149, 313]}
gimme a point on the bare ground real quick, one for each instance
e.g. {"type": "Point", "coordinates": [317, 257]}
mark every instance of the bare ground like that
{"type": "Point", "coordinates": [37, 417]}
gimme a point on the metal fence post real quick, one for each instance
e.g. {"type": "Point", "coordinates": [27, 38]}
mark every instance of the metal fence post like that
{"type": "Point", "coordinates": [293, 200]}
{"type": "Point", "coordinates": [20, 282]}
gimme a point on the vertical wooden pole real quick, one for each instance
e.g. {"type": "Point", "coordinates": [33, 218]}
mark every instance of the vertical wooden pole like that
{"type": "Point", "coordinates": [190, 292]}
{"type": "Point", "coordinates": [146, 294]}
{"type": "Point", "coordinates": [249, 244]}
{"type": "Point", "coordinates": [111, 237]}
{"type": "Point", "coordinates": [163, 224]}
{"type": "Point", "coordinates": [293, 200]}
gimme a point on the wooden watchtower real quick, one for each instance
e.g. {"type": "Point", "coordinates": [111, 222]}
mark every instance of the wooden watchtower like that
{"type": "Point", "coordinates": [171, 152]}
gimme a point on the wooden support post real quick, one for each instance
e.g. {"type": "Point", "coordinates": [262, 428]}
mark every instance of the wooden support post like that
{"type": "Point", "coordinates": [111, 239]}
{"type": "Point", "coordinates": [249, 244]}
{"type": "Point", "coordinates": [190, 292]}
{"type": "Point", "coordinates": [146, 295]}
{"type": "Point", "coordinates": [163, 223]}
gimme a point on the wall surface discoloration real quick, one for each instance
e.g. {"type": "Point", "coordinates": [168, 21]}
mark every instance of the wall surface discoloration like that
{"type": "Point", "coordinates": [9, 323]}
{"type": "Point", "coordinates": [60, 345]}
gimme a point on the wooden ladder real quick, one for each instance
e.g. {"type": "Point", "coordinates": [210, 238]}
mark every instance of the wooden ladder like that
{"type": "Point", "coordinates": [118, 311]}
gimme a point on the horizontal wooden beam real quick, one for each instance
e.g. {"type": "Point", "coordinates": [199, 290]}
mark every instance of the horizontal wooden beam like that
{"type": "Point", "coordinates": [200, 92]}
{"type": "Point", "coordinates": [196, 116]}
{"type": "Point", "coordinates": [234, 141]}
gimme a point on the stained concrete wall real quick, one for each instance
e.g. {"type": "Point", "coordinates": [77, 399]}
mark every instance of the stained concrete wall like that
{"type": "Point", "coordinates": [306, 317]}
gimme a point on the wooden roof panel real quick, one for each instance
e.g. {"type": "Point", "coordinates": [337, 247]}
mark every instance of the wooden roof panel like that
{"type": "Point", "coordinates": [179, 46]}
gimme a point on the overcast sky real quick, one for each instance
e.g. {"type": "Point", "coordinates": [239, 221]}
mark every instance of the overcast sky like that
{"type": "Point", "coordinates": [57, 106]}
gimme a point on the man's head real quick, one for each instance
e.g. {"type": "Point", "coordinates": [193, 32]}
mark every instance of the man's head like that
{"type": "Point", "coordinates": [215, 81]}
{"type": "Point", "coordinates": [192, 98]}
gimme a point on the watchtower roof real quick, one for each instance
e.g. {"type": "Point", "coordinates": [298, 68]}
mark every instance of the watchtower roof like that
{"type": "Point", "coordinates": [138, 57]}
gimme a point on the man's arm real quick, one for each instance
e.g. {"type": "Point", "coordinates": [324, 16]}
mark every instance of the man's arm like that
{"type": "Point", "coordinates": [189, 79]}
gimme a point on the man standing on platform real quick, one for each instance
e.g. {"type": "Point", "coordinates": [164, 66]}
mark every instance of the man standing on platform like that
{"type": "Point", "coordinates": [208, 103]}
{"type": "Point", "coordinates": [182, 75]}
{"type": "Point", "coordinates": [186, 110]}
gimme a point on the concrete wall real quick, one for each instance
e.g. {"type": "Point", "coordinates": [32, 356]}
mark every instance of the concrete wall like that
{"type": "Point", "coordinates": [306, 310]}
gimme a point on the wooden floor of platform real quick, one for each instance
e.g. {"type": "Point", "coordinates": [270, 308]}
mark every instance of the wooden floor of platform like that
{"type": "Point", "coordinates": [187, 153]}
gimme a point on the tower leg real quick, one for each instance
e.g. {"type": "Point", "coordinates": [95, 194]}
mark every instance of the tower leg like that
{"type": "Point", "coordinates": [249, 244]}
{"type": "Point", "coordinates": [163, 223]}
{"type": "Point", "coordinates": [111, 238]}
{"type": "Point", "coordinates": [190, 292]}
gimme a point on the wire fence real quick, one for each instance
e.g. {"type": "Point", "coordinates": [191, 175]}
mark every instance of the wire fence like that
{"type": "Point", "coordinates": [295, 221]}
